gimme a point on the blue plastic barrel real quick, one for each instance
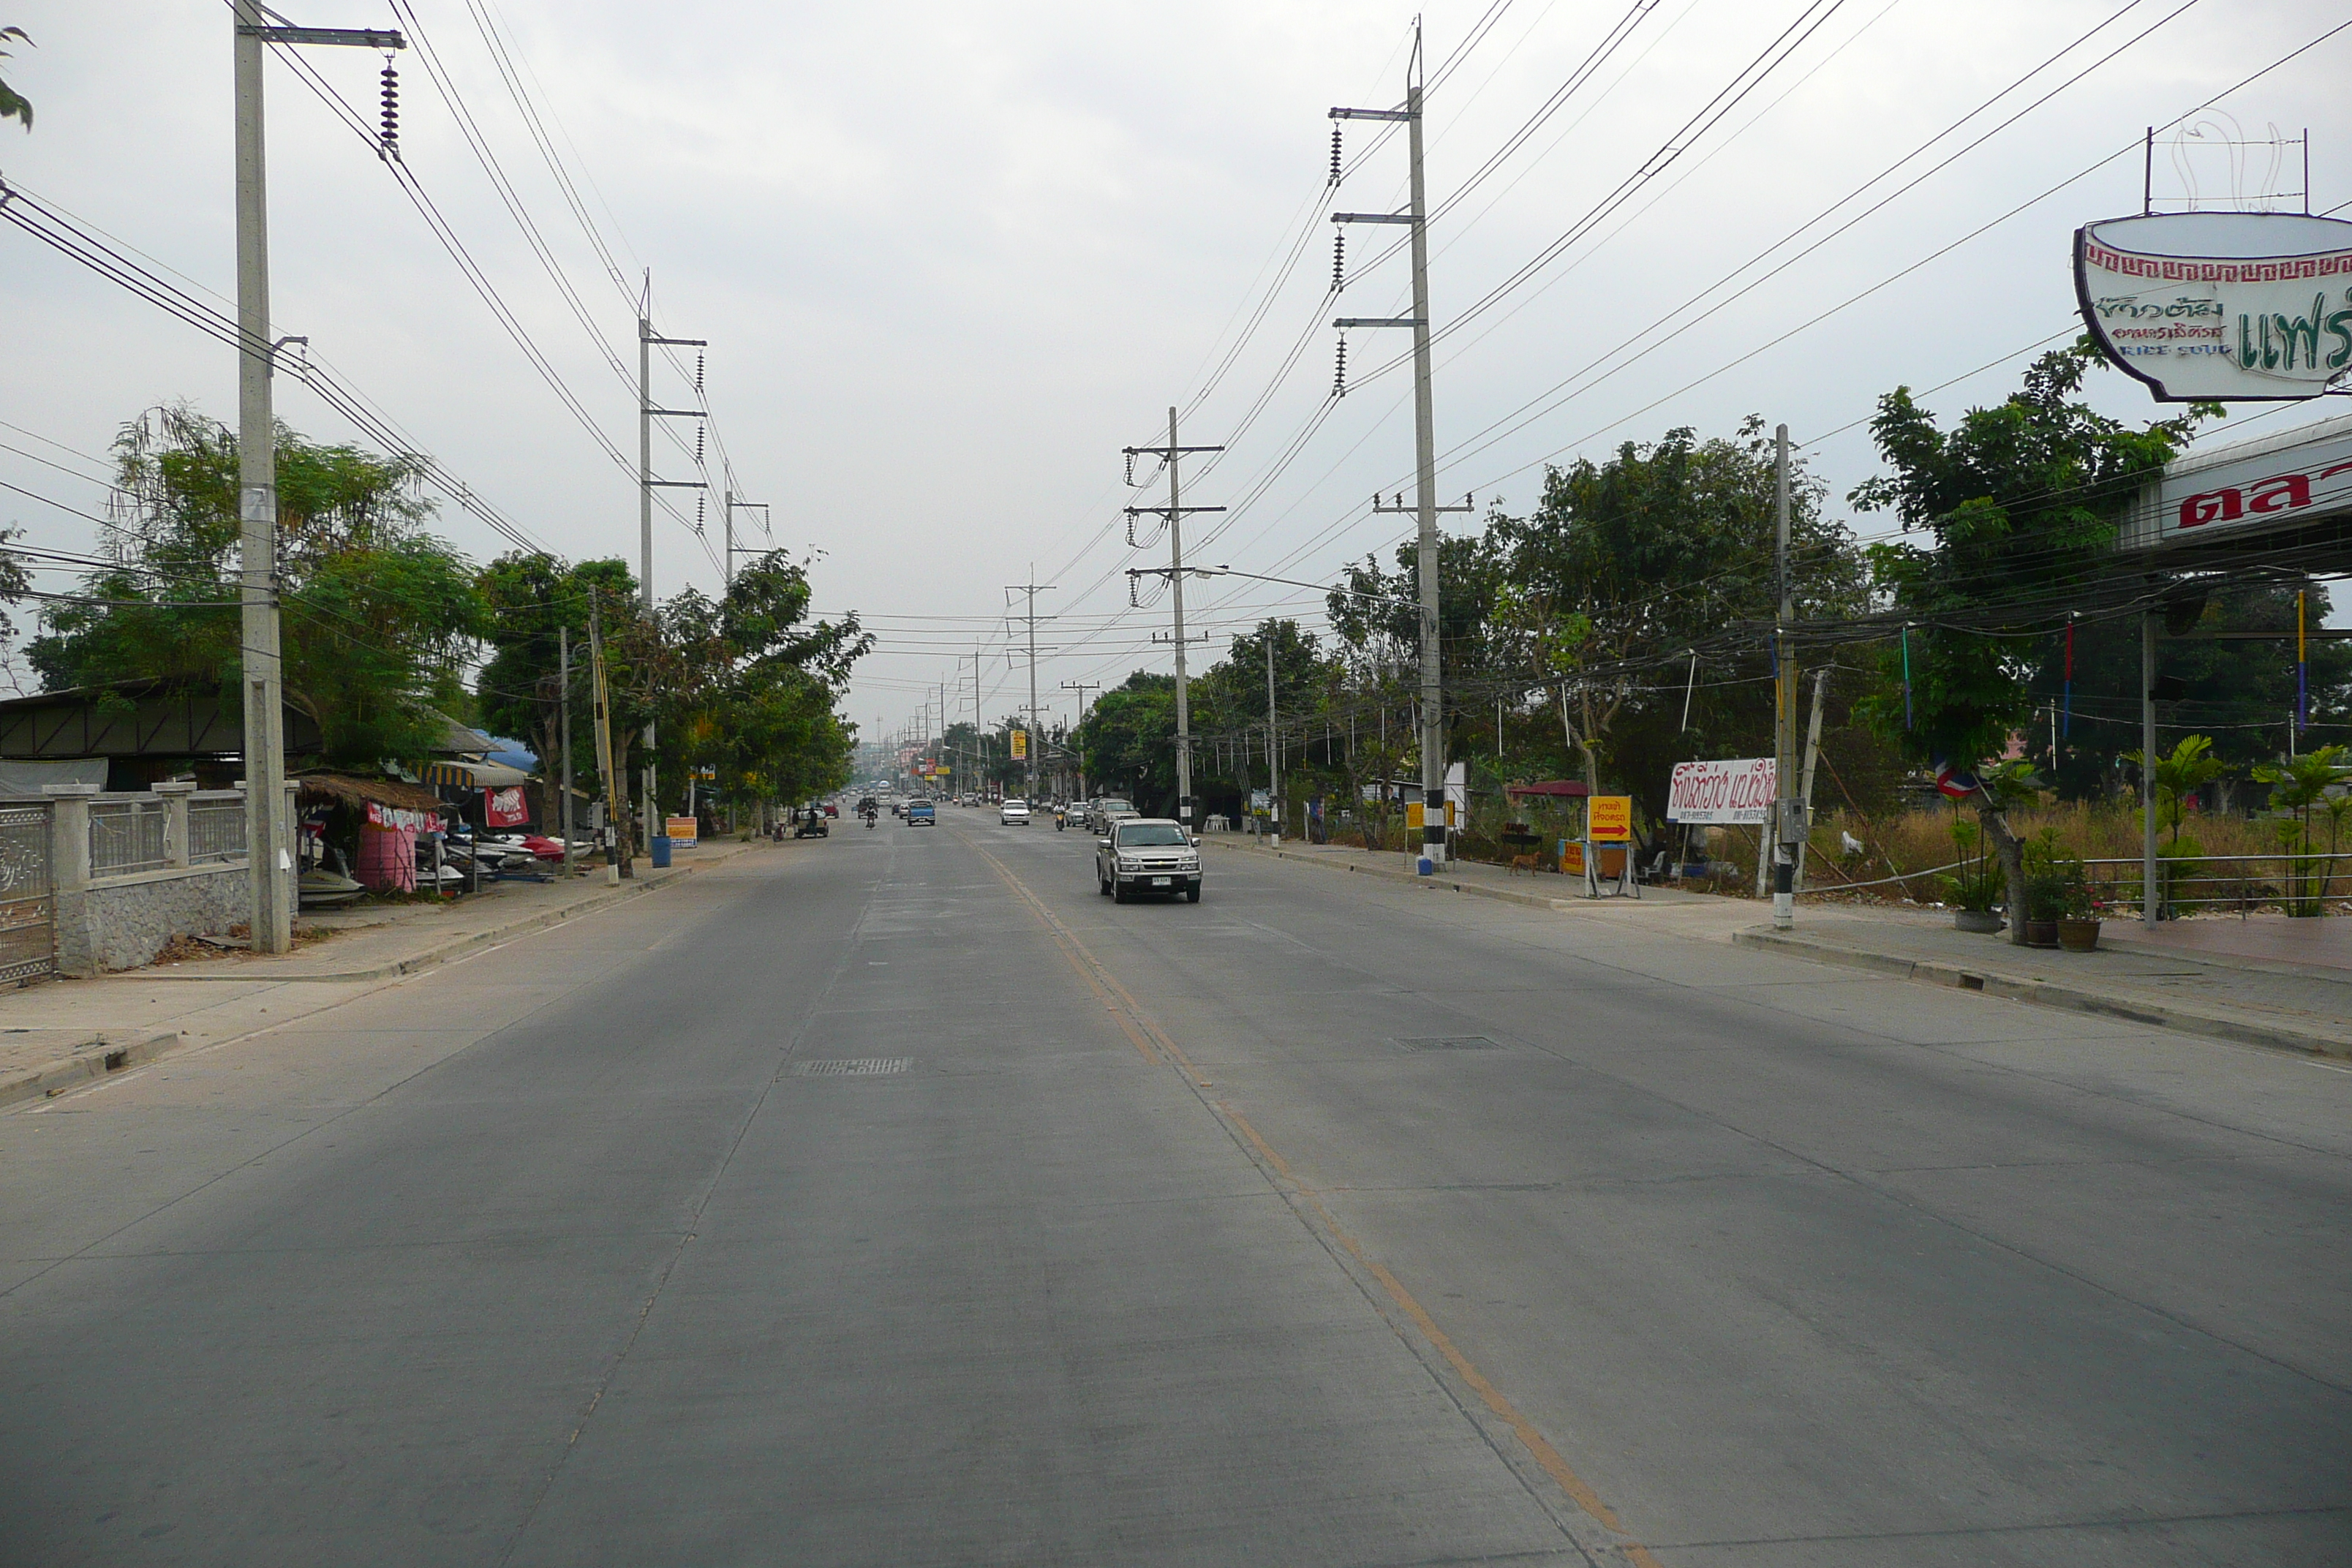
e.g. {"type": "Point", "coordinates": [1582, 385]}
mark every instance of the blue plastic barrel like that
{"type": "Point", "coordinates": [661, 851]}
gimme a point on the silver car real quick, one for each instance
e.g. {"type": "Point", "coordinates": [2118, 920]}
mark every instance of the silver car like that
{"type": "Point", "coordinates": [1143, 854]}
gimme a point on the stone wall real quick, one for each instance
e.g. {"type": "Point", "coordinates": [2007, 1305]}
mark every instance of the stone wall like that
{"type": "Point", "coordinates": [123, 923]}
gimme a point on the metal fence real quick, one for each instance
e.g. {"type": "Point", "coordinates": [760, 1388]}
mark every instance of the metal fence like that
{"type": "Point", "coordinates": [27, 906]}
{"type": "Point", "coordinates": [127, 836]}
{"type": "Point", "coordinates": [2296, 884]}
{"type": "Point", "coordinates": [215, 829]}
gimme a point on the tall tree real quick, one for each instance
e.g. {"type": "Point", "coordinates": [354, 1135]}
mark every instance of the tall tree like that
{"type": "Point", "coordinates": [380, 616]}
{"type": "Point", "coordinates": [2016, 505]}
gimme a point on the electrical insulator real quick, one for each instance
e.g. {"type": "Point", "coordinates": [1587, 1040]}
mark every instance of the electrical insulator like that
{"type": "Point", "coordinates": [1335, 151]}
{"type": "Point", "coordinates": [699, 429]}
{"type": "Point", "coordinates": [1340, 376]}
{"type": "Point", "coordinates": [1338, 261]}
{"type": "Point", "coordinates": [1132, 602]}
{"type": "Point", "coordinates": [697, 374]}
{"type": "Point", "coordinates": [389, 145]}
{"type": "Point", "coordinates": [698, 502]}
{"type": "Point", "coordinates": [1130, 470]}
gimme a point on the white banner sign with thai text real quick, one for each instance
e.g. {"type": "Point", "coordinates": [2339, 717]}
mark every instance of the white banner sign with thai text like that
{"type": "Point", "coordinates": [1722, 792]}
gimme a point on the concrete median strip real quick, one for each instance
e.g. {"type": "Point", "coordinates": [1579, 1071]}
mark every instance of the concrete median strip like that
{"type": "Point", "coordinates": [2317, 1031]}
{"type": "Point", "coordinates": [2219, 1023]}
{"type": "Point", "coordinates": [36, 1065]}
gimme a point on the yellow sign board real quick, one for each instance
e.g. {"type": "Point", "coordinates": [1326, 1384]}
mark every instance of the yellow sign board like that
{"type": "Point", "coordinates": [1571, 858]}
{"type": "Point", "coordinates": [683, 830]}
{"type": "Point", "coordinates": [1020, 745]}
{"type": "Point", "coordinates": [1610, 819]}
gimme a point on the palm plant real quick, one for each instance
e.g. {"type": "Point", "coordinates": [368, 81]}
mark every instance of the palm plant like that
{"type": "Point", "coordinates": [2300, 790]}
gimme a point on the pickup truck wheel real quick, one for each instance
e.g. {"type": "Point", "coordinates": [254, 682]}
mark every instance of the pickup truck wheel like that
{"type": "Point", "coordinates": [1118, 893]}
{"type": "Point", "coordinates": [1192, 893]}
{"type": "Point", "coordinates": [1102, 885]}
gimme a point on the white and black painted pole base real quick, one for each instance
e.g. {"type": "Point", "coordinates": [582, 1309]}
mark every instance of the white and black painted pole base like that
{"type": "Point", "coordinates": [1432, 834]}
{"type": "Point", "coordinates": [1784, 888]}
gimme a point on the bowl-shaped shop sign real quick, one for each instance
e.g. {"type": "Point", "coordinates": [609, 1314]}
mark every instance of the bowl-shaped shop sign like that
{"type": "Point", "coordinates": [2229, 307]}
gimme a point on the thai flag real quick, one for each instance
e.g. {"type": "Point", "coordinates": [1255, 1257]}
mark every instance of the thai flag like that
{"type": "Point", "coordinates": [1956, 782]}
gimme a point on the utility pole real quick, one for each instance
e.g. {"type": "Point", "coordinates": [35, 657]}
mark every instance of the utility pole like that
{"type": "Point", "coordinates": [599, 698]}
{"type": "Point", "coordinates": [2151, 906]}
{"type": "Point", "coordinates": [1273, 743]}
{"type": "Point", "coordinates": [1788, 808]}
{"type": "Point", "coordinates": [1032, 588]}
{"type": "Point", "coordinates": [563, 683]}
{"type": "Point", "coordinates": [268, 837]}
{"type": "Point", "coordinates": [1174, 512]}
{"type": "Point", "coordinates": [647, 484]}
{"type": "Point", "coordinates": [1183, 760]}
{"type": "Point", "coordinates": [732, 501]}
{"type": "Point", "coordinates": [1433, 703]}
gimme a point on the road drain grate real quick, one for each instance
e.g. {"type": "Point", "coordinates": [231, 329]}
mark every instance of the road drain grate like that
{"type": "Point", "coordinates": [871, 1067]}
{"type": "Point", "coordinates": [1452, 1043]}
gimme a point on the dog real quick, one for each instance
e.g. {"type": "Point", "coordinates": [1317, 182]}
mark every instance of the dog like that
{"type": "Point", "coordinates": [1528, 861]}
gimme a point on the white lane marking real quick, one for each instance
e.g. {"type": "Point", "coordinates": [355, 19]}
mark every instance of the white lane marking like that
{"type": "Point", "coordinates": [2325, 1067]}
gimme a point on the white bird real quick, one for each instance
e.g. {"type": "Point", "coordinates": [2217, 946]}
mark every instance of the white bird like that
{"type": "Point", "coordinates": [1850, 844]}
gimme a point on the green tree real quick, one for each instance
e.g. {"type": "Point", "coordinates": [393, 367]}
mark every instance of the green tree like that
{"type": "Point", "coordinates": [13, 104]}
{"type": "Point", "coordinates": [1128, 741]}
{"type": "Point", "coordinates": [1628, 567]}
{"type": "Point", "coordinates": [2018, 503]}
{"type": "Point", "coordinates": [379, 615]}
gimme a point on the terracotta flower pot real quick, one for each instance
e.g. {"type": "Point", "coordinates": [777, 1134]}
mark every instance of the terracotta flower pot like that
{"type": "Point", "coordinates": [2042, 933]}
{"type": "Point", "coordinates": [1983, 922]}
{"type": "Point", "coordinates": [2078, 936]}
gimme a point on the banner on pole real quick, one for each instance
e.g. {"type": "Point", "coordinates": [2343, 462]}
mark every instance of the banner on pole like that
{"type": "Point", "coordinates": [1722, 792]}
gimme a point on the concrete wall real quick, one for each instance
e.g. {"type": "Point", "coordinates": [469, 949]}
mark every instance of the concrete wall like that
{"type": "Point", "coordinates": [123, 923]}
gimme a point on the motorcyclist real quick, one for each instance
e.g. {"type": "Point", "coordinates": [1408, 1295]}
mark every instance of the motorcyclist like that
{"type": "Point", "coordinates": [869, 809]}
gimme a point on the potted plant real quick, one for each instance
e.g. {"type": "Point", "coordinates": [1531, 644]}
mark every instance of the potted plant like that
{"type": "Point", "coordinates": [1973, 892]}
{"type": "Point", "coordinates": [2078, 923]}
{"type": "Point", "coordinates": [2046, 880]}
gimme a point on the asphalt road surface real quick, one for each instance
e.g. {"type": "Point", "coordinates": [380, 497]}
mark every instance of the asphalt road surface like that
{"type": "Point", "coordinates": [892, 1199]}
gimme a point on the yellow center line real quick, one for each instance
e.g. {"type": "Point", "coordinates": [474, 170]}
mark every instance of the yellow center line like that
{"type": "Point", "coordinates": [1132, 1017]}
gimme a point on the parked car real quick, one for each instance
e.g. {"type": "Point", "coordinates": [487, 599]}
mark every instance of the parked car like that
{"type": "Point", "coordinates": [1013, 813]}
{"type": "Point", "coordinates": [1143, 855]}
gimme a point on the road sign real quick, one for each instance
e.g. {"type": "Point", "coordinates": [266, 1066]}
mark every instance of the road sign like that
{"type": "Point", "coordinates": [1020, 746]}
{"type": "Point", "coordinates": [1611, 820]}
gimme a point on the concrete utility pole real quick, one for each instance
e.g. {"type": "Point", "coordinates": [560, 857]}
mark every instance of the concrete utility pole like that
{"type": "Point", "coordinates": [267, 836]}
{"type": "Point", "coordinates": [2151, 905]}
{"type": "Point", "coordinates": [1433, 699]}
{"type": "Point", "coordinates": [1086, 704]}
{"type": "Point", "coordinates": [1788, 808]}
{"type": "Point", "coordinates": [599, 698]}
{"type": "Point", "coordinates": [563, 684]}
{"type": "Point", "coordinates": [1174, 512]}
{"type": "Point", "coordinates": [1032, 588]}
{"type": "Point", "coordinates": [1273, 744]}
{"type": "Point", "coordinates": [646, 485]}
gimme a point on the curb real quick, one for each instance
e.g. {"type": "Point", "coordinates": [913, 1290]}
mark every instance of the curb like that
{"type": "Point", "coordinates": [1477, 890]}
{"type": "Point", "coordinates": [2050, 994]}
{"type": "Point", "coordinates": [93, 1059]}
{"type": "Point", "coordinates": [454, 947]}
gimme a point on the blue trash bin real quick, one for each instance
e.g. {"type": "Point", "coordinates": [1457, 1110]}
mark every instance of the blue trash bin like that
{"type": "Point", "coordinates": [661, 851]}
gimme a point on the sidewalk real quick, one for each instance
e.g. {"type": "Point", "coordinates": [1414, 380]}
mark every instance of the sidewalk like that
{"type": "Point", "coordinates": [61, 1032]}
{"type": "Point", "coordinates": [2285, 983]}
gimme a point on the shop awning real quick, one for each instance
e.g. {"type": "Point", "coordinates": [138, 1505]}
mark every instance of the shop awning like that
{"type": "Point", "coordinates": [475, 775]}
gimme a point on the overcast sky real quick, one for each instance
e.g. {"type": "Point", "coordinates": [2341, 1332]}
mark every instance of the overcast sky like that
{"type": "Point", "coordinates": [951, 258]}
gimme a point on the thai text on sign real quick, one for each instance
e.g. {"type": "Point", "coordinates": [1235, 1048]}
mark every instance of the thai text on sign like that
{"type": "Point", "coordinates": [1722, 792]}
{"type": "Point", "coordinates": [1610, 819]}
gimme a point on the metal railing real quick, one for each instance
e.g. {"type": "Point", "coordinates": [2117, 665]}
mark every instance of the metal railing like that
{"type": "Point", "coordinates": [215, 828]}
{"type": "Point", "coordinates": [127, 836]}
{"type": "Point", "coordinates": [2296, 884]}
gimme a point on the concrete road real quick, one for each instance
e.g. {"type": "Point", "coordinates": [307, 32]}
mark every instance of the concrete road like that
{"type": "Point", "coordinates": [892, 1199]}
